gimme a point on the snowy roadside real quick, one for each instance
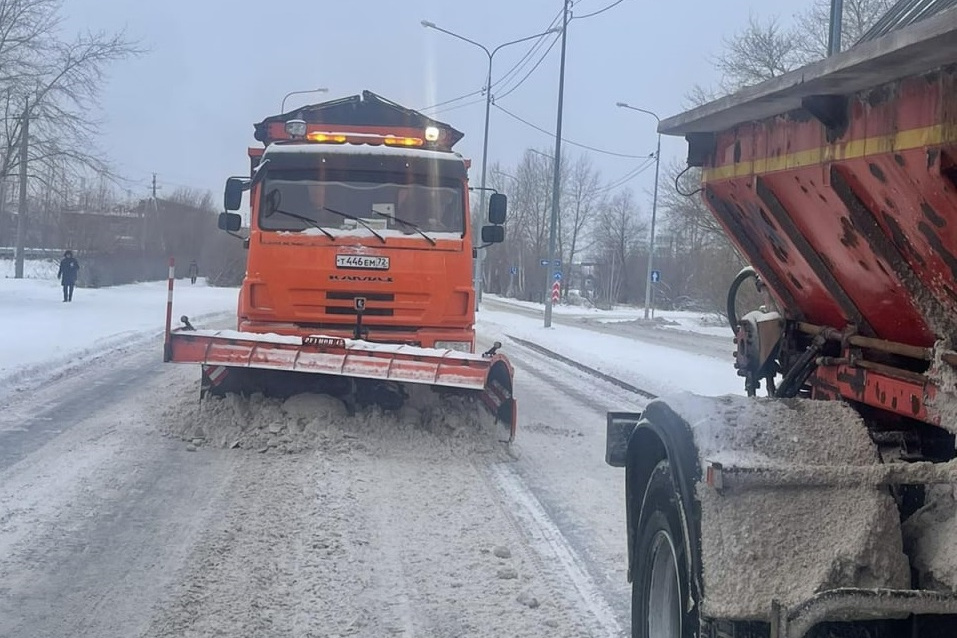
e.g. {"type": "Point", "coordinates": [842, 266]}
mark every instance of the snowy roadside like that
{"type": "Point", "coordinates": [654, 368]}
{"type": "Point", "coordinates": [682, 320]}
{"type": "Point", "coordinates": [40, 335]}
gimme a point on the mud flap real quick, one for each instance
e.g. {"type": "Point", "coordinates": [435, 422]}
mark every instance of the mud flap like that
{"type": "Point", "coordinates": [498, 399]}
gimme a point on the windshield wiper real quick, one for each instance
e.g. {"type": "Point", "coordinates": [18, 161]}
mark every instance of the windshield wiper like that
{"type": "Point", "coordinates": [357, 220]}
{"type": "Point", "coordinates": [308, 220]}
{"type": "Point", "coordinates": [406, 223]}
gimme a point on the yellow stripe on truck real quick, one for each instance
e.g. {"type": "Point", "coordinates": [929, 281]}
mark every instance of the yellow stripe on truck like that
{"type": "Point", "coordinates": [855, 149]}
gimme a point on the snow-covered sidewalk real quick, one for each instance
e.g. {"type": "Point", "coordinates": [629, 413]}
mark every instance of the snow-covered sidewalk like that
{"type": "Point", "coordinates": [38, 329]}
{"type": "Point", "coordinates": [685, 320]}
{"type": "Point", "coordinates": [656, 368]}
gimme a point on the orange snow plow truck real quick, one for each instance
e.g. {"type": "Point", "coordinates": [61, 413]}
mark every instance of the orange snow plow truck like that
{"type": "Point", "coordinates": [823, 505]}
{"type": "Point", "coordinates": [359, 270]}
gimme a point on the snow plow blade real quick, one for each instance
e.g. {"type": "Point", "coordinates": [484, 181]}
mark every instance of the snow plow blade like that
{"type": "Point", "coordinates": [358, 372]}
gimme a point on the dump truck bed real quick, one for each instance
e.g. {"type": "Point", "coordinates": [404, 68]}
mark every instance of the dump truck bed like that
{"type": "Point", "coordinates": [838, 182]}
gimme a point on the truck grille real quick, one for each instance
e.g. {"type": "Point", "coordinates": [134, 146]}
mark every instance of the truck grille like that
{"type": "Point", "coordinates": [378, 304]}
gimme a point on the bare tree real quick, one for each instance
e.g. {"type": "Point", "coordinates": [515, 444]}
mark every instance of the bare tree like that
{"type": "Point", "coordinates": [813, 25]}
{"type": "Point", "coordinates": [699, 95]}
{"type": "Point", "coordinates": [685, 213]}
{"type": "Point", "coordinates": [55, 83]}
{"type": "Point", "coordinates": [194, 197]}
{"type": "Point", "coordinates": [583, 198]}
{"type": "Point", "coordinates": [762, 49]}
{"type": "Point", "coordinates": [618, 236]}
{"type": "Point", "coordinates": [765, 49]}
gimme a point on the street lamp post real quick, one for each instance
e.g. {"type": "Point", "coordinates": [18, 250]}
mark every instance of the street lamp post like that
{"type": "Point", "coordinates": [477, 276]}
{"type": "Point", "coordinates": [654, 207]}
{"type": "Point", "coordinates": [282, 109]}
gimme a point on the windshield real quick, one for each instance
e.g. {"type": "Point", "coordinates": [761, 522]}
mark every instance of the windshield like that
{"type": "Point", "coordinates": [383, 201]}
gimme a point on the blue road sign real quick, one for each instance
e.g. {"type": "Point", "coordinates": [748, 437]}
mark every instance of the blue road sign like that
{"type": "Point", "coordinates": [558, 276]}
{"type": "Point", "coordinates": [513, 270]}
{"type": "Point", "coordinates": [655, 276]}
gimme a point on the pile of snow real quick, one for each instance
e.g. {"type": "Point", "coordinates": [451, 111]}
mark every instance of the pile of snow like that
{"type": "Point", "coordinates": [931, 538]}
{"type": "Point", "coordinates": [770, 542]}
{"type": "Point", "coordinates": [712, 324]}
{"type": "Point", "coordinates": [307, 422]}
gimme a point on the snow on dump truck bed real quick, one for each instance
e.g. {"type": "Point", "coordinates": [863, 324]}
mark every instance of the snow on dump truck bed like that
{"type": "Point", "coordinates": [775, 543]}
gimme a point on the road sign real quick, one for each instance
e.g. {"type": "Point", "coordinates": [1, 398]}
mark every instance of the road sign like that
{"type": "Point", "coordinates": [655, 276]}
{"type": "Point", "coordinates": [558, 276]}
{"type": "Point", "coordinates": [556, 292]}
{"type": "Point", "coordinates": [513, 270]}
{"type": "Point", "coordinates": [544, 262]}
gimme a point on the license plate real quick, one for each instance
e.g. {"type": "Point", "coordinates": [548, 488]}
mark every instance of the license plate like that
{"type": "Point", "coordinates": [362, 261]}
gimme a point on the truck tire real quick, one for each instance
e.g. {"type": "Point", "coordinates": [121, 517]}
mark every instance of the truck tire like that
{"type": "Point", "coordinates": [659, 593]}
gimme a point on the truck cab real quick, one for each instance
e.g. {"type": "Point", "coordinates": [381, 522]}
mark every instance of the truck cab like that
{"type": "Point", "coordinates": [360, 227]}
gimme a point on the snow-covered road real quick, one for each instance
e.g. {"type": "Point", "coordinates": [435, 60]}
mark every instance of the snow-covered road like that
{"type": "Point", "coordinates": [110, 528]}
{"type": "Point", "coordinates": [111, 524]}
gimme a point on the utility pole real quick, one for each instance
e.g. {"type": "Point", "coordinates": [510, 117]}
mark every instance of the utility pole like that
{"type": "Point", "coordinates": [146, 213]}
{"type": "Point", "coordinates": [22, 209]}
{"type": "Point", "coordinates": [649, 282]}
{"type": "Point", "coordinates": [552, 268]}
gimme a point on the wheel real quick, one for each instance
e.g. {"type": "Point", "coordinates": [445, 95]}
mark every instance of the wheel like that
{"type": "Point", "coordinates": [659, 592]}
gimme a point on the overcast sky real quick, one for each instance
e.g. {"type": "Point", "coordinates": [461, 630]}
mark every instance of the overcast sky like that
{"type": "Point", "coordinates": [185, 109]}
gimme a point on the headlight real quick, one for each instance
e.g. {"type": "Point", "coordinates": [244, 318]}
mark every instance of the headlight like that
{"type": "Point", "coordinates": [460, 346]}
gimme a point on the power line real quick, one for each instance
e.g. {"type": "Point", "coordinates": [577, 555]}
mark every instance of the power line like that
{"type": "Point", "coordinates": [517, 67]}
{"type": "Point", "coordinates": [455, 99]}
{"type": "Point", "coordinates": [594, 13]}
{"type": "Point", "coordinates": [627, 177]}
{"type": "Point", "coordinates": [458, 106]}
{"type": "Point", "coordinates": [567, 141]}
{"type": "Point", "coordinates": [532, 70]}
{"type": "Point", "coordinates": [507, 75]}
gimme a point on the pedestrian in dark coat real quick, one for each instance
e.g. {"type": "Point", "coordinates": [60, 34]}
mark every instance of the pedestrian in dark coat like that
{"type": "Point", "coordinates": [193, 271]}
{"type": "Point", "coordinates": [69, 267]}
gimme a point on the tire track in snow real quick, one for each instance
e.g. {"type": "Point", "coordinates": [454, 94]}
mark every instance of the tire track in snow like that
{"type": "Point", "coordinates": [588, 563]}
{"type": "Point", "coordinates": [549, 541]}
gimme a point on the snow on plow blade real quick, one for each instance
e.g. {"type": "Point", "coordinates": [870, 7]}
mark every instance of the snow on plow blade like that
{"type": "Point", "coordinates": [357, 371]}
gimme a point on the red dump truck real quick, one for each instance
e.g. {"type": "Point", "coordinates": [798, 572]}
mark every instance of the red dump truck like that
{"type": "Point", "coordinates": [824, 504]}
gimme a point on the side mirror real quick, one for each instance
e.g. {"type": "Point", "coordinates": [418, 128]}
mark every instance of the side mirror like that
{"type": "Point", "coordinates": [497, 205]}
{"type": "Point", "coordinates": [233, 196]}
{"type": "Point", "coordinates": [230, 222]}
{"type": "Point", "coordinates": [493, 234]}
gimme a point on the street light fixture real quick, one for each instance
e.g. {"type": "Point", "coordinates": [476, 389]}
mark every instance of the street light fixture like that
{"type": "Point", "coordinates": [488, 105]}
{"type": "Point", "coordinates": [282, 109]}
{"type": "Point", "coordinates": [654, 206]}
